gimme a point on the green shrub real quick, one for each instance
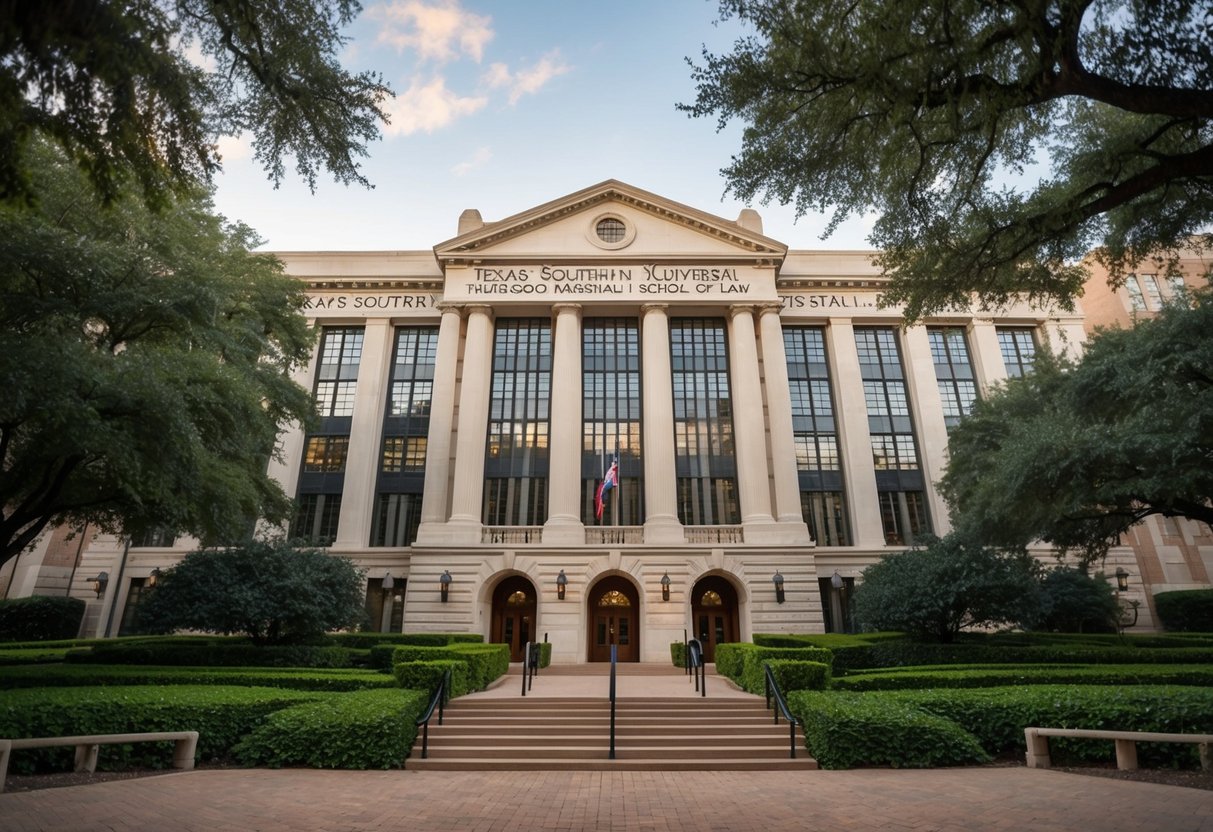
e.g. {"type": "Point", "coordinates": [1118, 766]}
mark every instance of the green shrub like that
{"type": "Point", "coordinates": [1186, 610]}
{"type": "Point", "coordinates": [792, 674]}
{"type": "Point", "coordinates": [849, 730]}
{"type": "Point", "coordinates": [485, 662]}
{"type": "Point", "coordinates": [998, 716]}
{"type": "Point", "coordinates": [218, 654]}
{"type": "Point", "coordinates": [743, 662]}
{"type": "Point", "coordinates": [365, 641]}
{"type": "Point", "coordinates": [987, 677]}
{"type": "Point", "coordinates": [545, 654]}
{"type": "Point", "coordinates": [678, 653]}
{"type": "Point", "coordinates": [40, 618]}
{"type": "Point", "coordinates": [28, 656]}
{"type": "Point", "coordinates": [906, 653]}
{"type": "Point", "coordinates": [77, 676]}
{"type": "Point", "coordinates": [366, 729]}
{"type": "Point", "coordinates": [1076, 602]}
{"type": "Point", "coordinates": [425, 676]}
{"type": "Point", "coordinates": [221, 715]}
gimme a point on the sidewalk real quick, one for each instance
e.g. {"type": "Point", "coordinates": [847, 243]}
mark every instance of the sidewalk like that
{"type": "Point", "coordinates": [240, 800]}
{"type": "Point", "coordinates": [592, 681]}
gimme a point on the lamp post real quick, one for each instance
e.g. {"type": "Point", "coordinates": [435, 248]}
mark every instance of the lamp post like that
{"type": "Point", "coordinates": [665, 586]}
{"type": "Point", "coordinates": [562, 583]}
{"type": "Point", "coordinates": [1122, 585]}
{"type": "Point", "coordinates": [777, 579]}
{"type": "Point", "coordinates": [445, 585]}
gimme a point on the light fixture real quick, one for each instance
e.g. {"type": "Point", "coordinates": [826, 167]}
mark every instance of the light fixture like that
{"type": "Point", "coordinates": [99, 583]}
{"type": "Point", "coordinates": [1122, 579]}
{"type": "Point", "coordinates": [154, 577]}
{"type": "Point", "coordinates": [445, 585]}
{"type": "Point", "coordinates": [665, 586]}
{"type": "Point", "coordinates": [389, 583]}
{"type": "Point", "coordinates": [836, 580]}
{"type": "Point", "coordinates": [777, 579]}
{"type": "Point", "coordinates": [562, 583]}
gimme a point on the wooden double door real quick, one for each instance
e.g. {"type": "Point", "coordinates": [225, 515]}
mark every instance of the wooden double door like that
{"type": "Point", "coordinates": [514, 605]}
{"type": "Point", "coordinates": [714, 614]}
{"type": "Point", "coordinates": [614, 618]}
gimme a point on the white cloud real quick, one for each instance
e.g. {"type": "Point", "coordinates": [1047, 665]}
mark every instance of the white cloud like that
{"type": "Point", "coordinates": [438, 31]}
{"type": "Point", "coordinates": [479, 158]}
{"type": "Point", "coordinates": [428, 107]}
{"type": "Point", "coordinates": [528, 80]}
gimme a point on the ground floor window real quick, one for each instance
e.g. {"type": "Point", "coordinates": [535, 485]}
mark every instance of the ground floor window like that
{"type": "Point", "coordinates": [904, 516]}
{"type": "Point", "coordinates": [316, 520]}
{"type": "Point", "coordinates": [396, 519]}
{"type": "Point", "coordinates": [826, 515]}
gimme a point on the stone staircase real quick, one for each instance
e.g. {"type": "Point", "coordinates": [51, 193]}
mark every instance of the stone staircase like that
{"type": "Point", "coordinates": [572, 734]}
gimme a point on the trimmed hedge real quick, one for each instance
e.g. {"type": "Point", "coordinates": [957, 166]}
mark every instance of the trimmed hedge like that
{"type": "Point", "coordinates": [987, 677]}
{"type": "Point", "coordinates": [238, 654]}
{"type": "Point", "coordinates": [366, 729]}
{"type": "Point", "coordinates": [678, 653]}
{"type": "Point", "coordinates": [364, 641]}
{"type": "Point", "coordinates": [1186, 610]}
{"type": "Point", "coordinates": [849, 730]}
{"type": "Point", "coordinates": [426, 675]}
{"type": "Point", "coordinates": [906, 653]}
{"type": "Point", "coordinates": [486, 662]}
{"type": "Point", "coordinates": [998, 716]}
{"type": "Point", "coordinates": [221, 715]}
{"type": "Point", "coordinates": [29, 656]}
{"type": "Point", "coordinates": [743, 662]}
{"type": "Point", "coordinates": [792, 674]}
{"type": "Point", "coordinates": [76, 676]}
{"type": "Point", "coordinates": [40, 618]}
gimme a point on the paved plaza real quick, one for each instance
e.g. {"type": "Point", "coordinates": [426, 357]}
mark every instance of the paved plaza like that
{"type": "Point", "coordinates": [294, 800]}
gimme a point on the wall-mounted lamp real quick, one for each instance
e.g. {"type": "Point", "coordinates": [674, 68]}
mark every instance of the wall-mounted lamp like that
{"type": "Point", "coordinates": [836, 580]}
{"type": "Point", "coordinates": [1122, 579]}
{"type": "Point", "coordinates": [445, 585]}
{"type": "Point", "coordinates": [389, 583]}
{"type": "Point", "coordinates": [777, 579]}
{"type": "Point", "coordinates": [154, 577]}
{"type": "Point", "coordinates": [99, 583]}
{"type": "Point", "coordinates": [665, 586]}
{"type": "Point", "coordinates": [562, 583]}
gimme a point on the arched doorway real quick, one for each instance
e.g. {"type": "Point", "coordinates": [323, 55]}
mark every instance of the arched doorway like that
{"type": "Point", "coordinates": [714, 613]}
{"type": "Point", "coordinates": [614, 616]}
{"type": "Point", "coordinates": [514, 614]}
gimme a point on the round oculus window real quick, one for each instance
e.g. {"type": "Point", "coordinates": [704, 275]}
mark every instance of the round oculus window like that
{"type": "Point", "coordinates": [611, 230]}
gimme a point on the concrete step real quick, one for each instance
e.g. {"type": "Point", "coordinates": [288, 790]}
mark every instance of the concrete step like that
{"type": "Point", "coordinates": [595, 729]}
{"type": "Point", "coordinates": [802, 763]}
{"type": "Point", "coordinates": [586, 751]}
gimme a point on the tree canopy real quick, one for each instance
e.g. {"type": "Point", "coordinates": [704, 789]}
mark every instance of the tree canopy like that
{"type": "Point", "coordinates": [145, 359]}
{"type": "Point", "coordinates": [935, 113]}
{"type": "Point", "coordinates": [1078, 452]}
{"type": "Point", "coordinates": [115, 85]}
{"type": "Point", "coordinates": [271, 591]}
{"type": "Point", "coordinates": [935, 590]}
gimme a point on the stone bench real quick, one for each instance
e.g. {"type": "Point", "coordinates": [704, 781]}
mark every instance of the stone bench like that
{"type": "Point", "coordinates": [1126, 744]}
{"type": "Point", "coordinates": [87, 747]}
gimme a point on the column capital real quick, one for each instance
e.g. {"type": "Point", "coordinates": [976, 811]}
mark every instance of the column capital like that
{"type": "Point", "coordinates": [573, 308]}
{"type": "Point", "coordinates": [445, 306]}
{"type": "Point", "coordinates": [769, 307]}
{"type": "Point", "coordinates": [482, 308]}
{"type": "Point", "coordinates": [646, 308]}
{"type": "Point", "coordinates": [741, 309]}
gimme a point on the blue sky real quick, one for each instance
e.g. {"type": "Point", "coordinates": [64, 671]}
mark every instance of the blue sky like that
{"type": "Point", "coordinates": [504, 105]}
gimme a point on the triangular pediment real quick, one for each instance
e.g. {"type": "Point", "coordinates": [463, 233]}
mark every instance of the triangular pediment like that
{"type": "Point", "coordinates": [657, 229]}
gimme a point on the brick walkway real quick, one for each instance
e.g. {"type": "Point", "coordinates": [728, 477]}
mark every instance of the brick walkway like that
{"type": "Point", "coordinates": [293, 800]}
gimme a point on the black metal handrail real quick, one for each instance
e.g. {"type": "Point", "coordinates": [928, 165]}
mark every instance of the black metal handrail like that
{"type": "Point", "coordinates": [530, 665]}
{"type": "Point", "coordinates": [437, 700]}
{"type": "Point", "coordinates": [611, 755]}
{"type": "Point", "coordinates": [698, 667]}
{"type": "Point", "coordinates": [772, 688]}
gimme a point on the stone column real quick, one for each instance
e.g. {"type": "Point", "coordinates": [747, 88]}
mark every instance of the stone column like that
{"type": "Point", "coordinates": [660, 484]}
{"type": "Point", "coordinates": [436, 496]}
{"type": "Point", "coordinates": [749, 428]}
{"type": "Point", "coordinates": [988, 365]}
{"type": "Point", "coordinates": [564, 449]}
{"type": "Point", "coordinates": [366, 428]}
{"type": "Point", "coordinates": [859, 473]}
{"type": "Point", "coordinates": [927, 408]}
{"type": "Point", "coordinates": [473, 420]}
{"type": "Point", "coordinates": [779, 418]}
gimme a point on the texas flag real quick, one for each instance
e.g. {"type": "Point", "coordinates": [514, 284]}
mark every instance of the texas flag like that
{"type": "Point", "coordinates": [608, 482]}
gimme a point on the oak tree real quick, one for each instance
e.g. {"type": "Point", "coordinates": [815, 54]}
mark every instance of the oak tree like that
{"type": "Point", "coordinates": [934, 114]}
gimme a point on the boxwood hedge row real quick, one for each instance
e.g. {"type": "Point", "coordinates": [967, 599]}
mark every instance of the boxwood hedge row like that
{"type": "Point", "coordinates": [743, 662]}
{"type": "Point", "coordinates": [365, 729]}
{"type": "Point", "coordinates": [426, 675]}
{"type": "Point", "coordinates": [485, 662]}
{"type": "Point", "coordinates": [221, 715]}
{"type": "Point", "coordinates": [985, 677]}
{"type": "Point", "coordinates": [78, 676]}
{"type": "Point", "coordinates": [363, 641]}
{"type": "Point", "coordinates": [791, 674]}
{"type": "Point", "coordinates": [218, 654]}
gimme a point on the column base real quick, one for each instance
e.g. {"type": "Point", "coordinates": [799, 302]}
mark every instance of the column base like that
{"type": "Point", "coordinates": [453, 532]}
{"type": "Point", "coordinates": [564, 531]}
{"type": "Point", "coordinates": [664, 530]}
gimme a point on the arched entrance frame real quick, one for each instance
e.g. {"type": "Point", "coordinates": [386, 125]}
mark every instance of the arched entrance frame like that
{"type": "Point", "coordinates": [489, 588]}
{"type": "Point", "coordinates": [594, 588]}
{"type": "Point", "coordinates": [740, 584]}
